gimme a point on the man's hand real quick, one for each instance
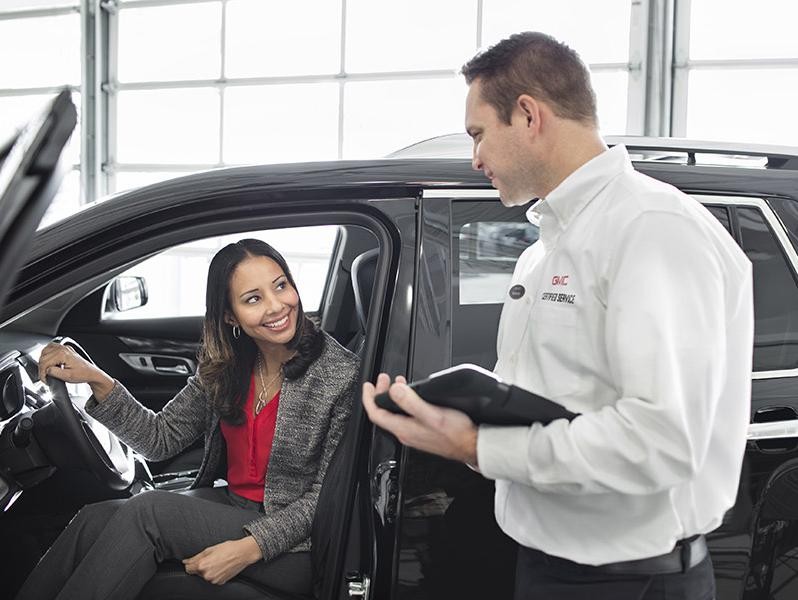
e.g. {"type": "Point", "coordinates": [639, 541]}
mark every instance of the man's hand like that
{"type": "Point", "coordinates": [442, 431]}
{"type": "Point", "coordinates": [218, 564]}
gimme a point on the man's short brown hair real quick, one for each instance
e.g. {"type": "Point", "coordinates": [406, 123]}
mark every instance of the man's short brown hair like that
{"type": "Point", "coordinates": [536, 64]}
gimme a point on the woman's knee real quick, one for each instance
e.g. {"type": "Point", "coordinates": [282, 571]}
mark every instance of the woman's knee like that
{"type": "Point", "coordinates": [97, 514]}
{"type": "Point", "coordinates": [146, 501]}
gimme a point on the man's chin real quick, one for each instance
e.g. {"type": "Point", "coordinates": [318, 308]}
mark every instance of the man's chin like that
{"type": "Point", "coordinates": [509, 200]}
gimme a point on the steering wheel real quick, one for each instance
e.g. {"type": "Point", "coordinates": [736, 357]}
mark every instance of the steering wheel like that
{"type": "Point", "coordinates": [108, 458]}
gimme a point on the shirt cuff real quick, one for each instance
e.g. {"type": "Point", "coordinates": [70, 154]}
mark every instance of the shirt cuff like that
{"type": "Point", "coordinates": [501, 452]}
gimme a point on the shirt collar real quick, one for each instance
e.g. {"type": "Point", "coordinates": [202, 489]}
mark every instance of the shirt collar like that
{"type": "Point", "coordinates": [574, 193]}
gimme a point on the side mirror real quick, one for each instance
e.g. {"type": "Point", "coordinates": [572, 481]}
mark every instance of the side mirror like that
{"type": "Point", "coordinates": [126, 293]}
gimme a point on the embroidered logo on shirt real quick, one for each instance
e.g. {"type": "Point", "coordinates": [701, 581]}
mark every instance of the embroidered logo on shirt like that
{"type": "Point", "coordinates": [560, 280]}
{"type": "Point", "coordinates": [552, 297]}
{"type": "Point", "coordinates": [517, 291]}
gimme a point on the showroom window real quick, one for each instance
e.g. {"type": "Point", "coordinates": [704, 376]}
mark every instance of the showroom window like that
{"type": "Point", "coordinates": [44, 40]}
{"type": "Point", "coordinates": [250, 81]}
{"type": "Point", "coordinates": [736, 71]}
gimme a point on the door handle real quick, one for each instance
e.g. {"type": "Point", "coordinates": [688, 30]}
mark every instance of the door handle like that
{"type": "Point", "coordinates": [176, 370]}
{"type": "Point", "coordinates": [774, 429]}
{"type": "Point", "coordinates": [159, 364]}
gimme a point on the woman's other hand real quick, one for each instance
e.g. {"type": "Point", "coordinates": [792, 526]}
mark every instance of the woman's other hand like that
{"type": "Point", "coordinates": [219, 563]}
{"type": "Point", "coordinates": [63, 363]}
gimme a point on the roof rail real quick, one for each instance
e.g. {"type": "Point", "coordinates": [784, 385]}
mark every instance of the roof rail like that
{"type": "Point", "coordinates": [459, 145]}
{"type": "Point", "coordinates": [778, 157]}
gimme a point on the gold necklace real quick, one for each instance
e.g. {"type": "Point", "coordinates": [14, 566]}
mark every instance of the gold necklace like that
{"type": "Point", "coordinates": [262, 400]}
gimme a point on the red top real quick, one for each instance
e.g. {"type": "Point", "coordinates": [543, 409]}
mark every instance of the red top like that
{"type": "Point", "coordinates": [249, 446]}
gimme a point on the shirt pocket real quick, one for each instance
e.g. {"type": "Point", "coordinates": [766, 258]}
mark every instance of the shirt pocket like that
{"type": "Point", "coordinates": [554, 345]}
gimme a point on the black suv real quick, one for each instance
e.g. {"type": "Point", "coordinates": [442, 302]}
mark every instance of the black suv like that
{"type": "Point", "coordinates": [419, 258]}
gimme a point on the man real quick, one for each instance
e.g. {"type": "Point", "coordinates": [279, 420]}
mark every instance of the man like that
{"type": "Point", "coordinates": [633, 309]}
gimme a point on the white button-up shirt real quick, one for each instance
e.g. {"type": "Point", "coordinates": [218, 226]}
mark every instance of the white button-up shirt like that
{"type": "Point", "coordinates": [637, 312]}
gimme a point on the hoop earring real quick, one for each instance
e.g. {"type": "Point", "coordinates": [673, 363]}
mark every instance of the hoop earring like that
{"type": "Point", "coordinates": [236, 332]}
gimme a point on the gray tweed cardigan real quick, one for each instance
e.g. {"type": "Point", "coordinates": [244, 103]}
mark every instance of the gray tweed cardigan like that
{"type": "Point", "coordinates": [311, 417]}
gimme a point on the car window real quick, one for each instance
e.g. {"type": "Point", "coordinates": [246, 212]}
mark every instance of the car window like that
{"type": "Point", "coordinates": [775, 294]}
{"type": "Point", "coordinates": [488, 251]}
{"type": "Point", "coordinates": [721, 213]}
{"type": "Point", "coordinates": [176, 277]}
{"type": "Point", "coordinates": [787, 210]}
{"type": "Point", "coordinates": [487, 239]}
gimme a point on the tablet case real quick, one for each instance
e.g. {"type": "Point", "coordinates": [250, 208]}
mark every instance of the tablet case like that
{"type": "Point", "coordinates": [483, 396]}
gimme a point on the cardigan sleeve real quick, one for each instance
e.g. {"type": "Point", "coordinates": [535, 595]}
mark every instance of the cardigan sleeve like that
{"type": "Point", "coordinates": [156, 436]}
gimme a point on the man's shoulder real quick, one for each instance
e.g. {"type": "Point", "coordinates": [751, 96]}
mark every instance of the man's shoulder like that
{"type": "Point", "coordinates": [639, 193]}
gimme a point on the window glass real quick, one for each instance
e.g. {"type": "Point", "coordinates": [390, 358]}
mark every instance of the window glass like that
{"type": "Point", "coordinates": [612, 89]}
{"type": "Point", "coordinates": [716, 95]}
{"type": "Point", "coordinates": [155, 43]}
{"type": "Point", "coordinates": [16, 111]}
{"type": "Point", "coordinates": [66, 201]}
{"type": "Point", "coordinates": [383, 116]}
{"type": "Point", "coordinates": [487, 239]}
{"type": "Point", "coordinates": [40, 51]}
{"type": "Point", "coordinates": [282, 38]}
{"type": "Point", "coordinates": [410, 35]}
{"type": "Point", "coordinates": [23, 4]}
{"type": "Point", "coordinates": [488, 253]}
{"type": "Point", "coordinates": [281, 123]}
{"type": "Point", "coordinates": [787, 210]}
{"type": "Point", "coordinates": [505, 17]}
{"type": "Point", "coordinates": [721, 213]}
{"type": "Point", "coordinates": [176, 278]}
{"type": "Point", "coordinates": [743, 29]}
{"type": "Point", "coordinates": [168, 126]}
{"type": "Point", "coordinates": [775, 295]}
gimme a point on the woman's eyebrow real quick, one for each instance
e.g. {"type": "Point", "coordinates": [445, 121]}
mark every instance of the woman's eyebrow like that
{"type": "Point", "coordinates": [248, 292]}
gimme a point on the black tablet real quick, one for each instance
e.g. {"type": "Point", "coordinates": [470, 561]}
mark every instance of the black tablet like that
{"type": "Point", "coordinates": [483, 396]}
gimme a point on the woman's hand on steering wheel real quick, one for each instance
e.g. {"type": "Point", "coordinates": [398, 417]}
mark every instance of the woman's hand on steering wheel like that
{"type": "Point", "coordinates": [62, 362]}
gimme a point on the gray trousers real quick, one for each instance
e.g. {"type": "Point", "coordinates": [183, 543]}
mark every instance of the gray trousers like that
{"type": "Point", "coordinates": [111, 549]}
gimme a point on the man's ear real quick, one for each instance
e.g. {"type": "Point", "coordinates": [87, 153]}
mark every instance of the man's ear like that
{"type": "Point", "coordinates": [529, 109]}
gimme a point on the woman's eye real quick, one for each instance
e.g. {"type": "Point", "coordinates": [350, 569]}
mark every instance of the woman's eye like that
{"type": "Point", "coordinates": [281, 285]}
{"type": "Point", "coordinates": [252, 299]}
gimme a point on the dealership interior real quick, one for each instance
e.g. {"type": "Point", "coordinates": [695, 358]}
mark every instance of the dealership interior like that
{"type": "Point", "coordinates": [168, 87]}
{"type": "Point", "coordinates": [198, 123]}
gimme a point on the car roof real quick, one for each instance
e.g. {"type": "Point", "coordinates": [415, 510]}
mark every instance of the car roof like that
{"type": "Point", "coordinates": [460, 145]}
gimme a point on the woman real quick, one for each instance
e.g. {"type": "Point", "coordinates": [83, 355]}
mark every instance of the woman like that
{"type": "Point", "coordinates": [272, 397]}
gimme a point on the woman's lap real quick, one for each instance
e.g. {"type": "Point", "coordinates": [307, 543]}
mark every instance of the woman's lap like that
{"type": "Point", "coordinates": [174, 526]}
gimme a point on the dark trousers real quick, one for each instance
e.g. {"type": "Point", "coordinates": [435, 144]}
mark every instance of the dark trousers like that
{"type": "Point", "coordinates": [111, 549]}
{"type": "Point", "coordinates": [542, 577]}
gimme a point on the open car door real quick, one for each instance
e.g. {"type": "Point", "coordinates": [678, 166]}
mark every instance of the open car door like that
{"type": "Point", "coordinates": [30, 174]}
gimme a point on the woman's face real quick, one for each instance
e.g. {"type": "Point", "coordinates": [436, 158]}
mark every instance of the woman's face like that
{"type": "Point", "coordinates": [263, 301]}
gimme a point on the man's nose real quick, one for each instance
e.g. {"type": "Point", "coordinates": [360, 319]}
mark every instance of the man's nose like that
{"type": "Point", "coordinates": [476, 162]}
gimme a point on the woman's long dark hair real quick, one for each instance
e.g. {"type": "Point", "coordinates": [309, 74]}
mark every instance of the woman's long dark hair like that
{"type": "Point", "coordinates": [225, 363]}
